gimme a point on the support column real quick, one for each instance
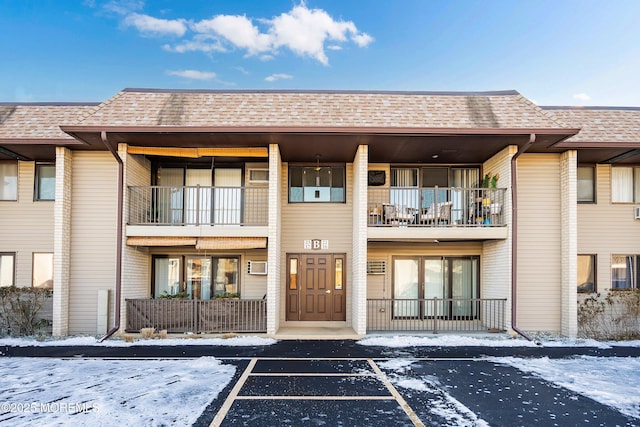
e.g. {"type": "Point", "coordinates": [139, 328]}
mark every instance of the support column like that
{"type": "Point", "coordinates": [359, 256]}
{"type": "Point", "coordinates": [273, 252]}
{"type": "Point", "coordinates": [62, 241]}
{"type": "Point", "coordinates": [569, 242]}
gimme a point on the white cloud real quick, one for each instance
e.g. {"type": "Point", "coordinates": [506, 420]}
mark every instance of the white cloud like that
{"type": "Point", "coordinates": [278, 76]}
{"type": "Point", "coordinates": [305, 32]}
{"type": "Point", "coordinates": [237, 30]}
{"type": "Point", "coordinates": [149, 25]}
{"type": "Point", "coordinates": [242, 70]}
{"type": "Point", "coordinates": [200, 43]}
{"type": "Point", "coordinates": [121, 7]}
{"type": "Point", "coordinates": [193, 74]}
{"type": "Point", "coordinates": [581, 96]}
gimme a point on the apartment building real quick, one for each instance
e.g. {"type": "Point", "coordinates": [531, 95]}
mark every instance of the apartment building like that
{"type": "Point", "coordinates": [351, 212]}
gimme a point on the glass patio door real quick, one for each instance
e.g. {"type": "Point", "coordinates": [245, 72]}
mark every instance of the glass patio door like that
{"type": "Point", "coordinates": [464, 280]}
{"type": "Point", "coordinates": [227, 196]}
{"type": "Point", "coordinates": [198, 277]}
{"type": "Point", "coordinates": [198, 196]}
{"type": "Point", "coordinates": [167, 276]}
{"type": "Point", "coordinates": [406, 286]}
{"type": "Point", "coordinates": [435, 285]}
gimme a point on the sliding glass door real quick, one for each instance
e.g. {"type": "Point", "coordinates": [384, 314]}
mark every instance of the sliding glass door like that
{"type": "Point", "coordinates": [446, 284]}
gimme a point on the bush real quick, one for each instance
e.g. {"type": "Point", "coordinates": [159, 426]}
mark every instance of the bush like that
{"type": "Point", "coordinates": [615, 316]}
{"type": "Point", "coordinates": [20, 311]}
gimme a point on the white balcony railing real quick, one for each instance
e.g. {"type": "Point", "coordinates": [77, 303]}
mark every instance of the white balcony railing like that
{"type": "Point", "coordinates": [156, 205]}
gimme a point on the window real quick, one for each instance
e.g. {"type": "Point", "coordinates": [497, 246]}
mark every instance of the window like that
{"type": "Point", "coordinates": [586, 274]}
{"type": "Point", "coordinates": [195, 277]}
{"type": "Point", "coordinates": [312, 184]}
{"type": "Point", "coordinates": [586, 184]}
{"type": "Point", "coordinates": [9, 180]}
{"type": "Point", "coordinates": [625, 184]}
{"type": "Point", "coordinates": [45, 182]}
{"type": "Point", "coordinates": [624, 271]}
{"type": "Point", "coordinates": [42, 270]}
{"type": "Point", "coordinates": [7, 269]}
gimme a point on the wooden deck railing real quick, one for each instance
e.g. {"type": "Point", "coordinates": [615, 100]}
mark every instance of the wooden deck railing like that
{"type": "Point", "coordinates": [197, 316]}
{"type": "Point", "coordinates": [436, 315]}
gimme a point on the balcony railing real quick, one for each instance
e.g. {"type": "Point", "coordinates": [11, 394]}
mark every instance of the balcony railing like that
{"type": "Point", "coordinates": [210, 316]}
{"type": "Point", "coordinates": [436, 315]}
{"type": "Point", "coordinates": [156, 205]}
{"type": "Point", "coordinates": [436, 207]}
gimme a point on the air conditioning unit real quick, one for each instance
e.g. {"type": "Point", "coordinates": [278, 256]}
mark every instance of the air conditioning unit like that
{"type": "Point", "coordinates": [257, 267]}
{"type": "Point", "coordinates": [636, 212]}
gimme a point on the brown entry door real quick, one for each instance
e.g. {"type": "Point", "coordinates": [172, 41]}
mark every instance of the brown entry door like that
{"type": "Point", "coordinates": [316, 287]}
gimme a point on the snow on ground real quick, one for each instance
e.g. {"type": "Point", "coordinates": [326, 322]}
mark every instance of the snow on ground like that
{"type": "Point", "coordinates": [498, 341]}
{"type": "Point", "coordinates": [441, 403]}
{"type": "Point", "coordinates": [613, 381]}
{"type": "Point", "coordinates": [237, 341]}
{"type": "Point", "coordinates": [47, 392]}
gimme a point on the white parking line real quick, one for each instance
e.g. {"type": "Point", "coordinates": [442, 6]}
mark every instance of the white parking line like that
{"type": "Point", "coordinates": [403, 404]}
{"type": "Point", "coordinates": [224, 409]}
{"type": "Point", "coordinates": [377, 372]}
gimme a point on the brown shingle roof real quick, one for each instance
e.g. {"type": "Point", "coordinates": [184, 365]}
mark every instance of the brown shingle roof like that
{"type": "Point", "coordinates": [39, 121]}
{"type": "Point", "coordinates": [601, 124]}
{"type": "Point", "coordinates": [317, 109]}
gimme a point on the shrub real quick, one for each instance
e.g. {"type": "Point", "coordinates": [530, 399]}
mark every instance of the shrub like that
{"type": "Point", "coordinates": [616, 316]}
{"type": "Point", "coordinates": [20, 311]}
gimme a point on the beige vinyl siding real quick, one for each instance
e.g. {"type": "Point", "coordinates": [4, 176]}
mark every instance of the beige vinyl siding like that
{"type": "Point", "coordinates": [606, 229]}
{"type": "Point", "coordinates": [93, 237]}
{"type": "Point", "coordinates": [26, 226]}
{"type": "Point", "coordinates": [135, 261]}
{"type": "Point", "coordinates": [381, 285]}
{"type": "Point", "coordinates": [539, 250]}
{"type": "Point", "coordinates": [496, 255]}
{"type": "Point", "coordinates": [325, 221]}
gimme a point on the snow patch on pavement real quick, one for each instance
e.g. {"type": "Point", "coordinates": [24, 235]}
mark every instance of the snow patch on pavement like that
{"type": "Point", "coordinates": [612, 381]}
{"type": "Point", "coordinates": [238, 341]}
{"type": "Point", "coordinates": [52, 392]}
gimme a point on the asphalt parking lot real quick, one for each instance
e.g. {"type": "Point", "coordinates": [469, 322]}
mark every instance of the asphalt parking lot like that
{"type": "Point", "coordinates": [341, 383]}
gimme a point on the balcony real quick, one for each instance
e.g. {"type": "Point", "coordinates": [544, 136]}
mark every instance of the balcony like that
{"type": "Point", "coordinates": [436, 213]}
{"type": "Point", "coordinates": [436, 315]}
{"type": "Point", "coordinates": [198, 316]}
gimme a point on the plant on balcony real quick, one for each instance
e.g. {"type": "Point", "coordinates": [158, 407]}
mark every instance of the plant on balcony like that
{"type": "Point", "coordinates": [179, 295]}
{"type": "Point", "coordinates": [490, 180]}
{"type": "Point", "coordinates": [227, 295]}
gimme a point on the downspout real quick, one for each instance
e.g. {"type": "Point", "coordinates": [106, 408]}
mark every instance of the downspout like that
{"type": "Point", "coordinates": [514, 234]}
{"type": "Point", "coordinates": [103, 136]}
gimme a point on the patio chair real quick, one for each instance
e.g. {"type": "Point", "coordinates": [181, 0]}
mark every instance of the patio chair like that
{"type": "Point", "coordinates": [436, 213]}
{"type": "Point", "coordinates": [398, 215]}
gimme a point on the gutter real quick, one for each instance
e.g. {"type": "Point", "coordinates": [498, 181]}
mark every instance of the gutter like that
{"type": "Point", "coordinates": [105, 140]}
{"type": "Point", "coordinates": [514, 243]}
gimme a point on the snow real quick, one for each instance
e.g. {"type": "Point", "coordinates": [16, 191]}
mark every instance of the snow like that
{"type": "Point", "coordinates": [237, 341]}
{"type": "Point", "coordinates": [399, 341]}
{"type": "Point", "coordinates": [441, 403]}
{"type": "Point", "coordinates": [48, 392]}
{"type": "Point", "coordinates": [613, 381]}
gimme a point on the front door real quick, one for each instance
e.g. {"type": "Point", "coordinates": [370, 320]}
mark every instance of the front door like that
{"type": "Point", "coordinates": [316, 287]}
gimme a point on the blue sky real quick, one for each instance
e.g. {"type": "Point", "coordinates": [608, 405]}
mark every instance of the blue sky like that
{"type": "Point", "coordinates": [561, 52]}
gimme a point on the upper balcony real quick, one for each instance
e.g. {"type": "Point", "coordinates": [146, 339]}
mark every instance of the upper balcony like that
{"type": "Point", "coordinates": [197, 211]}
{"type": "Point", "coordinates": [436, 213]}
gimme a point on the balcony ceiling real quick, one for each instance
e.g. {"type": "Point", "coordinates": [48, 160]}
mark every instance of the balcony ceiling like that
{"type": "Point", "coordinates": [335, 145]}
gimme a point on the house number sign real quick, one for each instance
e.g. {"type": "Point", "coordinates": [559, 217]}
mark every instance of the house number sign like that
{"type": "Point", "coordinates": [316, 244]}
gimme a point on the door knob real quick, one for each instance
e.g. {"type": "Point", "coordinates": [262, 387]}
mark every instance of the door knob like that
{"type": "Point", "coordinates": [328, 291]}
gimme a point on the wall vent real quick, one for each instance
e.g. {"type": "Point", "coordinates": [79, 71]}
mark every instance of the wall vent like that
{"type": "Point", "coordinates": [376, 266]}
{"type": "Point", "coordinates": [636, 212]}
